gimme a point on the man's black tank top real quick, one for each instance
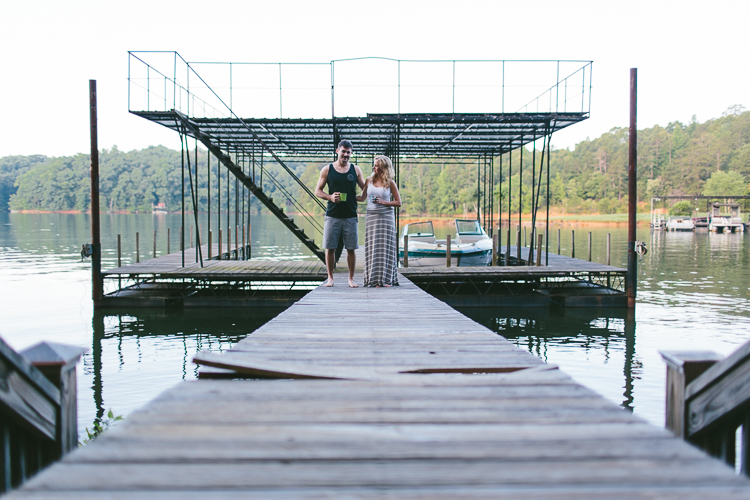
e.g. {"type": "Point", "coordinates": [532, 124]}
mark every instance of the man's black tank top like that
{"type": "Point", "coordinates": [342, 183]}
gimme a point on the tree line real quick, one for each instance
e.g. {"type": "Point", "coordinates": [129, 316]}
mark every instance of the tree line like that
{"type": "Point", "coordinates": [710, 158]}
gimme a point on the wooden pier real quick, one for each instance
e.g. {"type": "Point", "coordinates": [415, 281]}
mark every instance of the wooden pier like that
{"type": "Point", "coordinates": [384, 393]}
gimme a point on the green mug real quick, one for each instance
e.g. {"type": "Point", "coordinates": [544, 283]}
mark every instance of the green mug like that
{"type": "Point", "coordinates": [342, 196]}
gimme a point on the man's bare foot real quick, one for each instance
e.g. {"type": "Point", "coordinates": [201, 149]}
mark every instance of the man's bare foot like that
{"type": "Point", "coordinates": [352, 284]}
{"type": "Point", "coordinates": [387, 286]}
{"type": "Point", "coordinates": [329, 282]}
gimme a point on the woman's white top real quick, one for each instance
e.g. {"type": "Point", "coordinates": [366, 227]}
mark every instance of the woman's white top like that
{"type": "Point", "coordinates": [383, 193]}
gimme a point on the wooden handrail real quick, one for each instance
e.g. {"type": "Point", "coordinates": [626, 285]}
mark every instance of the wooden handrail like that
{"type": "Point", "coordinates": [708, 399]}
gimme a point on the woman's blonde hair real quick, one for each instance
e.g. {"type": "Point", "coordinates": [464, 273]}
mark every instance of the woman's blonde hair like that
{"type": "Point", "coordinates": [387, 174]}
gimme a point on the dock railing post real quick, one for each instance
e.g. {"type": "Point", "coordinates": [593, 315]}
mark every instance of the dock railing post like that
{"type": "Point", "coordinates": [210, 245]}
{"type": "Point", "coordinates": [540, 240]}
{"type": "Point", "coordinates": [558, 241]}
{"type": "Point", "coordinates": [573, 243]}
{"type": "Point", "coordinates": [589, 246]}
{"type": "Point", "coordinates": [57, 362]}
{"type": "Point", "coordinates": [119, 251]}
{"type": "Point", "coordinates": [682, 368]}
{"type": "Point", "coordinates": [448, 251]}
{"type": "Point", "coordinates": [494, 250]}
{"type": "Point", "coordinates": [219, 255]}
{"type": "Point", "coordinates": [137, 247]}
{"type": "Point", "coordinates": [406, 250]}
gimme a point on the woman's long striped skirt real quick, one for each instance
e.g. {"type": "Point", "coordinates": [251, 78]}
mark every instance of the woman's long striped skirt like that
{"type": "Point", "coordinates": [381, 262]}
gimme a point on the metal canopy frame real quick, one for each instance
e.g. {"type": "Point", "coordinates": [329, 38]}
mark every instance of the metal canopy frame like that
{"type": "Point", "coordinates": [175, 95]}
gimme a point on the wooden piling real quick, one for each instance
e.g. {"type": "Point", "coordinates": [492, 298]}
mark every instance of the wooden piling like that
{"type": "Point", "coordinates": [589, 246]}
{"type": "Point", "coordinates": [518, 244]}
{"type": "Point", "coordinates": [573, 243]}
{"type": "Point", "coordinates": [539, 241]}
{"type": "Point", "coordinates": [182, 241]}
{"type": "Point", "coordinates": [558, 241]}
{"type": "Point", "coordinates": [250, 237]}
{"type": "Point", "coordinates": [229, 243]}
{"type": "Point", "coordinates": [609, 235]}
{"type": "Point", "coordinates": [494, 249]}
{"type": "Point", "coordinates": [154, 243]}
{"type": "Point", "coordinates": [210, 245]}
{"type": "Point", "coordinates": [169, 231]}
{"type": "Point", "coordinates": [97, 284]}
{"type": "Point", "coordinates": [632, 276]}
{"type": "Point", "coordinates": [219, 256]}
{"type": "Point", "coordinates": [119, 251]}
{"type": "Point", "coordinates": [406, 250]}
{"type": "Point", "coordinates": [525, 241]}
{"type": "Point", "coordinates": [137, 247]}
{"type": "Point", "coordinates": [448, 251]}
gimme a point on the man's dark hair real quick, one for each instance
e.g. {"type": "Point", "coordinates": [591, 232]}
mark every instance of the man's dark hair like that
{"type": "Point", "coordinates": [345, 144]}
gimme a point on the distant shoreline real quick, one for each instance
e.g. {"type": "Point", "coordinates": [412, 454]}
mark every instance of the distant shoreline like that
{"type": "Point", "coordinates": [605, 220]}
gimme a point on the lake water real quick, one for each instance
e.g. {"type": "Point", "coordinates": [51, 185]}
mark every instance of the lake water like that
{"type": "Point", "coordinates": [692, 294]}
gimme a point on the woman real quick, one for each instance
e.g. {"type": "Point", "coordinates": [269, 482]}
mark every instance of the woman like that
{"type": "Point", "coordinates": [381, 192]}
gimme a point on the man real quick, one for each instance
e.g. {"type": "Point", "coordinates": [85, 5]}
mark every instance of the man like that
{"type": "Point", "coordinates": [342, 178]}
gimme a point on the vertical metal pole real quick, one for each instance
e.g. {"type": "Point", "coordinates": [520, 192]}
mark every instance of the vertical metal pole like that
{"type": "Point", "coordinates": [281, 114]}
{"type": "Point", "coordinates": [169, 230]}
{"type": "Point", "coordinates": [500, 205]}
{"type": "Point", "coordinates": [182, 227]}
{"type": "Point", "coordinates": [119, 251]}
{"type": "Point", "coordinates": [454, 87]}
{"type": "Point", "coordinates": [631, 276]}
{"type": "Point", "coordinates": [520, 187]}
{"type": "Point", "coordinates": [196, 205]}
{"type": "Point", "coordinates": [609, 236]}
{"type": "Point", "coordinates": [154, 243]}
{"type": "Point", "coordinates": [494, 249]}
{"type": "Point", "coordinates": [218, 256]}
{"type": "Point", "coordinates": [208, 194]}
{"type": "Point", "coordinates": [97, 285]}
{"type": "Point", "coordinates": [558, 241]}
{"type": "Point", "coordinates": [589, 246]}
{"type": "Point", "coordinates": [218, 200]}
{"type": "Point", "coordinates": [210, 245]}
{"type": "Point", "coordinates": [533, 198]}
{"type": "Point", "coordinates": [479, 206]}
{"type": "Point", "coordinates": [549, 153]}
{"type": "Point", "coordinates": [539, 250]}
{"type": "Point", "coordinates": [137, 248]}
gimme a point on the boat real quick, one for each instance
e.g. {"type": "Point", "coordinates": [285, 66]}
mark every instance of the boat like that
{"type": "Point", "coordinates": [680, 223]}
{"type": "Point", "coordinates": [729, 221]}
{"type": "Point", "coordinates": [470, 247]}
{"type": "Point", "coordinates": [159, 208]}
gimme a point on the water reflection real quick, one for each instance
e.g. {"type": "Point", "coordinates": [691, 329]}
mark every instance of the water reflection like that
{"type": "Point", "coordinates": [548, 333]}
{"type": "Point", "coordinates": [138, 349]}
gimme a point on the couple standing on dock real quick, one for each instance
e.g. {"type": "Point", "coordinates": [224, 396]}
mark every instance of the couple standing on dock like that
{"type": "Point", "coordinates": [343, 177]}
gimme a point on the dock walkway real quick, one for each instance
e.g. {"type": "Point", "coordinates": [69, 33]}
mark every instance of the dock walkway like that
{"type": "Point", "coordinates": [386, 393]}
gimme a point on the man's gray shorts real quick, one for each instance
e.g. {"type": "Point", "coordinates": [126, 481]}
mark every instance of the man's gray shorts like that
{"type": "Point", "coordinates": [334, 228]}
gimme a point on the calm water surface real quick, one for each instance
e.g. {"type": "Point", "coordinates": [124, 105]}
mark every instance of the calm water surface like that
{"type": "Point", "coordinates": [693, 294]}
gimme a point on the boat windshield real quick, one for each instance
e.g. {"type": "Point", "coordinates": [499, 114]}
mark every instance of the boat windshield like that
{"type": "Point", "coordinates": [468, 227]}
{"type": "Point", "coordinates": [419, 229]}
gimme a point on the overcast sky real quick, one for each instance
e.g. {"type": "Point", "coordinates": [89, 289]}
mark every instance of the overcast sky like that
{"type": "Point", "coordinates": [691, 55]}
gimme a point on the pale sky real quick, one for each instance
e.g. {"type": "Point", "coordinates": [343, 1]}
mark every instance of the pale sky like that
{"type": "Point", "coordinates": [690, 55]}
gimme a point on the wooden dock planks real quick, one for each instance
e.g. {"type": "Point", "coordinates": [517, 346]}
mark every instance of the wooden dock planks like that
{"type": "Point", "coordinates": [376, 432]}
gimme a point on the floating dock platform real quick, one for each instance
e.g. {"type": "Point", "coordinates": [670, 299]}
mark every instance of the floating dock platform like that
{"type": "Point", "coordinates": [163, 282]}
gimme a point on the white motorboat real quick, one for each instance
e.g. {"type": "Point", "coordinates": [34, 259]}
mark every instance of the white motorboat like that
{"type": "Point", "coordinates": [470, 247]}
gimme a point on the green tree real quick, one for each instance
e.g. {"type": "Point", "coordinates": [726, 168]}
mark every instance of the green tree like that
{"type": "Point", "coordinates": [726, 184]}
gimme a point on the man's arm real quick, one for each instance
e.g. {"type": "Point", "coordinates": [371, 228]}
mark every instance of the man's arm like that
{"type": "Point", "coordinates": [360, 177]}
{"type": "Point", "coordinates": [321, 184]}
